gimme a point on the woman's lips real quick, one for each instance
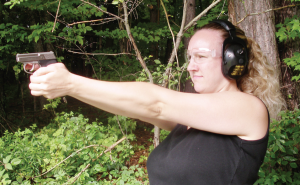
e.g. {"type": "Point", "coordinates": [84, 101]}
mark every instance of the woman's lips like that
{"type": "Point", "coordinates": [195, 77]}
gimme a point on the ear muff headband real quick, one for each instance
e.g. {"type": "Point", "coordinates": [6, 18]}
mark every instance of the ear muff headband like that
{"type": "Point", "coordinates": [234, 53]}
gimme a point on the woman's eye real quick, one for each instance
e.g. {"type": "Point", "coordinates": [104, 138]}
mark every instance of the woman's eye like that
{"type": "Point", "coordinates": [189, 57]}
{"type": "Point", "coordinates": [199, 56]}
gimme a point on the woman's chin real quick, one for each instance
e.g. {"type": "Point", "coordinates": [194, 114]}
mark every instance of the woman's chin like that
{"type": "Point", "coordinates": [198, 89]}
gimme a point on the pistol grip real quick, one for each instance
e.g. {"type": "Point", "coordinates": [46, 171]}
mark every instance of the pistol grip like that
{"type": "Point", "coordinates": [45, 63]}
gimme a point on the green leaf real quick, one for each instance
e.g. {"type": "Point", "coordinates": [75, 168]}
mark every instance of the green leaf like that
{"type": "Point", "coordinates": [296, 25]}
{"type": "Point", "coordinates": [58, 132]}
{"type": "Point", "coordinates": [36, 38]}
{"type": "Point", "coordinates": [115, 2]}
{"type": "Point", "coordinates": [80, 39]}
{"type": "Point", "coordinates": [284, 162]}
{"type": "Point", "coordinates": [290, 158]}
{"type": "Point", "coordinates": [280, 146]}
{"type": "Point", "coordinates": [261, 174]}
{"type": "Point", "coordinates": [15, 161]}
{"type": "Point", "coordinates": [2, 26]}
{"type": "Point", "coordinates": [157, 61]}
{"type": "Point", "coordinates": [6, 160]}
{"type": "Point", "coordinates": [1, 173]}
{"type": "Point", "coordinates": [8, 166]}
{"type": "Point", "coordinates": [293, 165]}
{"type": "Point", "coordinates": [99, 168]}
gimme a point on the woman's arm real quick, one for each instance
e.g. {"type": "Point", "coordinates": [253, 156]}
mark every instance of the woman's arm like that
{"type": "Point", "coordinates": [230, 113]}
{"type": "Point", "coordinates": [132, 99]}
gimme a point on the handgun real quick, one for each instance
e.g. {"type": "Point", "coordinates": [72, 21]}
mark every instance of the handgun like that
{"type": "Point", "coordinates": [33, 61]}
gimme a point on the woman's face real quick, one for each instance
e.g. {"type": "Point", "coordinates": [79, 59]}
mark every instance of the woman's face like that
{"type": "Point", "coordinates": [205, 61]}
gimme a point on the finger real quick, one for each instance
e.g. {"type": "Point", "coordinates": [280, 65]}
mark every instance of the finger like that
{"type": "Point", "coordinates": [36, 87]}
{"type": "Point", "coordinates": [42, 71]}
{"type": "Point", "coordinates": [50, 68]}
{"type": "Point", "coordinates": [36, 93]}
{"type": "Point", "coordinates": [38, 79]}
{"type": "Point", "coordinates": [36, 67]}
{"type": "Point", "coordinates": [41, 93]}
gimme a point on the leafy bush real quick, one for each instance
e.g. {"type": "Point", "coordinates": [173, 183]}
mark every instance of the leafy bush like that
{"type": "Point", "coordinates": [121, 125]}
{"type": "Point", "coordinates": [30, 156]}
{"type": "Point", "coordinates": [281, 164]}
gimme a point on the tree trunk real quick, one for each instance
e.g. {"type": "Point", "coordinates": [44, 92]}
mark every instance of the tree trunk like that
{"type": "Point", "coordinates": [289, 88]}
{"type": "Point", "coordinates": [154, 18]}
{"type": "Point", "coordinates": [260, 27]}
{"type": "Point", "coordinates": [191, 12]}
{"type": "Point", "coordinates": [2, 94]}
{"type": "Point", "coordinates": [38, 47]}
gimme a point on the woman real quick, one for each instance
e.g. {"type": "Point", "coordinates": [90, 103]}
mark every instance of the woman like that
{"type": "Point", "coordinates": [219, 136]}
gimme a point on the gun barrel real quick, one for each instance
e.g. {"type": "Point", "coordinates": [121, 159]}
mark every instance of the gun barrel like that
{"type": "Point", "coordinates": [30, 57]}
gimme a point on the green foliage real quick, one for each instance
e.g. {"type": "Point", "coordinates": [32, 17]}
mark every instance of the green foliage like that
{"type": "Point", "coordinates": [214, 13]}
{"type": "Point", "coordinates": [294, 62]}
{"type": "Point", "coordinates": [163, 135]}
{"type": "Point", "coordinates": [12, 3]}
{"type": "Point", "coordinates": [158, 69]}
{"type": "Point", "coordinates": [290, 30]}
{"type": "Point", "coordinates": [127, 125]}
{"type": "Point", "coordinates": [52, 103]}
{"type": "Point", "coordinates": [25, 155]}
{"type": "Point", "coordinates": [281, 164]}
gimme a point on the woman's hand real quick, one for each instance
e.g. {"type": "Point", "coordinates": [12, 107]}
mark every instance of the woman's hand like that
{"type": "Point", "coordinates": [51, 82]}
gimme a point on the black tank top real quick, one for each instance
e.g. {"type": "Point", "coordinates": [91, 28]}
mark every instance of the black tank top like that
{"type": "Point", "coordinates": [203, 158]}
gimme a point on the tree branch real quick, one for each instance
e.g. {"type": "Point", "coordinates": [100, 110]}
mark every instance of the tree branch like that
{"type": "Point", "coordinates": [178, 39]}
{"type": "Point", "coordinates": [96, 20]}
{"type": "Point", "coordinates": [162, 3]}
{"type": "Point", "coordinates": [107, 150]}
{"type": "Point", "coordinates": [251, 14]}
{"type": "Point", "coordinates": [193, 22]}
{"type": "Point", "coordinates": [113, 54]}
{"type": "Point", "coordinates": [7, 122]}
{"type": "Point", "coordinates": [57, 19]}
{"type": "Point", "coordinates": [180, 33]}
{"type": "Point", "coordinates": [117, 17]}
{"type": "Point", "coordinates": [77, 176]}
{"type": "Point", "coordinates": [138, 54]}
{"type": "Point", "coordinates": [136, 3]}
{"type": "Point", "coordinates": [56, 16]}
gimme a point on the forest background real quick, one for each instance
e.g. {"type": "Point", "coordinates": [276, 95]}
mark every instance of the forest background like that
{"type": "Point", "coordinates": [54, 142]}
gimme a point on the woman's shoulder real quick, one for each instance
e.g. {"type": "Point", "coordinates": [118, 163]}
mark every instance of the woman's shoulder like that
{"type": "Point", "coordinates": [254, 111]}
{"type": "Point", "coordinates": [244, 98]}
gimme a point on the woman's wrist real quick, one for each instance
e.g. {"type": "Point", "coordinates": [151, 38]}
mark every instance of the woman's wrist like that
{"type": "Point", "coordinates": [72, 84]}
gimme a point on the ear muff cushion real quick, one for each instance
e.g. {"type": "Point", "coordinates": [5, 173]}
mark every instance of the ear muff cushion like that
{"type": "Point", "coordinates": [234, 62]}
{"type": "Point", "coordinates": [235, 58]}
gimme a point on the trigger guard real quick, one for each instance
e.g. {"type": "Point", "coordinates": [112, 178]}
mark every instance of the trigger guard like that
{"type": "Point", "coordinates": [29, 72]}
{"type": "Point", "coordinates": [32, 68]}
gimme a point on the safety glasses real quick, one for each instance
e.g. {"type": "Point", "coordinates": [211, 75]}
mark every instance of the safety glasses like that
{"type": "Point", "coordinates": [200, 55]}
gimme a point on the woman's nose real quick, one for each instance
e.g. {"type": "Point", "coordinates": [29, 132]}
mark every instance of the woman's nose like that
{"type": "Point", "coordinates": [192, 66]}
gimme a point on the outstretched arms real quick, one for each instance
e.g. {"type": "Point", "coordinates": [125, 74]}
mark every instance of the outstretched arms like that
{"type": "Point", "coordinates": [230, 113]}
{"type": "Point", "coordinates": [133, 99]}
